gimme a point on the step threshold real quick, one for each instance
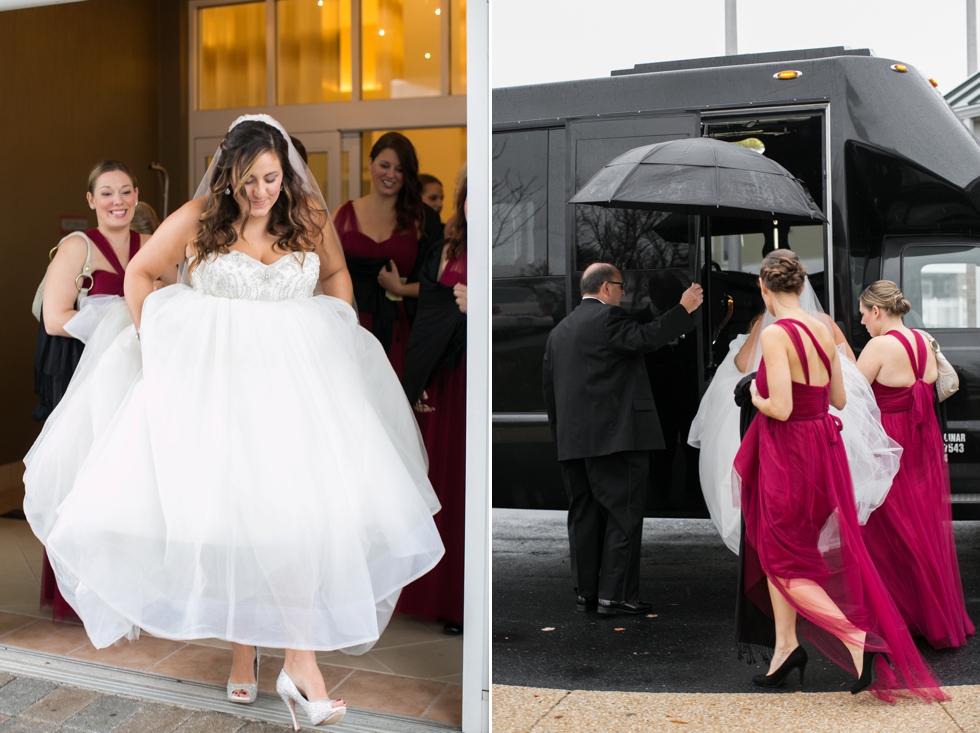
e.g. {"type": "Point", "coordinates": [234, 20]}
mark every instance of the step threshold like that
{"type": "Point", "coordinates": [190, 694]}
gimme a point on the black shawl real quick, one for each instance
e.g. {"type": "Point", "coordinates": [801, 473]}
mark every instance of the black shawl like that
{"type": "Point", "coordinates": [439, 332]}
{"type": "Point", "coordinates": [55, 359]}
{"type": "Point", "coordinates": [371, 297]}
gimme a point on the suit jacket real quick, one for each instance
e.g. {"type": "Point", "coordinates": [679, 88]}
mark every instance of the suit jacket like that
{"type": "Point", "coordinates": [596, 387]}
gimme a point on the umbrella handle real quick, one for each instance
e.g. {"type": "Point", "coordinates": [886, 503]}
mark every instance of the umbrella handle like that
{"type": "Point", "coordinates": [697, 251]}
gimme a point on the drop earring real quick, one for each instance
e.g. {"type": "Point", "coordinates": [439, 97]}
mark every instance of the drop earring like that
{"type": "Point", "coordinates": [228, 191]}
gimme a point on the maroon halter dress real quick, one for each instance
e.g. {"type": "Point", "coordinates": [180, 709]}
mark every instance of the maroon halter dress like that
{"type": "Point", "coordinates": [801, 530]}
{"type": "Point", "coordinates": [910, 537]}
{"type": "Point", "coordinates": [439, 593]}
{"type": "Point", "coordinates": [104, 282]}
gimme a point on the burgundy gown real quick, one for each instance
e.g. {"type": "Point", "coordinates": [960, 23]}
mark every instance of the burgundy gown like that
{"type": "Point", "coordinates": [403, 248]}
{"type": "Point", "coordinates": [801, 528]}
{"type": "Point", "coordinates": [439, 594]}
{"type": "Point", "coordinates": [910, 537]}
{"type": "Point", "coordinates": [104, 282]}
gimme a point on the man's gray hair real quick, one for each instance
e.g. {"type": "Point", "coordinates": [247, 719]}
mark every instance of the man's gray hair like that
{"type": "Point", "coordinates": [595, 276]}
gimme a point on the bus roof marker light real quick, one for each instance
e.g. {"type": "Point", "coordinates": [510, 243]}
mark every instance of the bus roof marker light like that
{"type": "Point", "coordinates": [438, 11]}
{"type": "Point", "coordinates": [933, 82]}
{"type": "Point", "coordinates": [900, 67]}
{"type": "Point", "coordinates": [788, 74]}
{"type": "Point", "coordinates": [381, 32]}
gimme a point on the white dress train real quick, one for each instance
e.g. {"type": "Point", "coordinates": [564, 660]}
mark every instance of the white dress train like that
{"type": "Point", "coordinates": [250, 471]}
{"type": "Point", "coordinates": [872, 456]}
{"type": "Point", "coordinates": [715, 431]}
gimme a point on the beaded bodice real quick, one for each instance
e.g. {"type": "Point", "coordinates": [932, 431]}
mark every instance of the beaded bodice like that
{"type": "Point", "coordinates": [236, 275]}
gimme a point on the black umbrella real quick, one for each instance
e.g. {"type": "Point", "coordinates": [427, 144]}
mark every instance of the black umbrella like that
{"type": "Point", "coordinates": [700, 176]}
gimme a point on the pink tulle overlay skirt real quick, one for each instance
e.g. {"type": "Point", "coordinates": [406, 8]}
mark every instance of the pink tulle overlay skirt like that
{"type": "Point", "coordinates": [910, 537]}
{"type": "Point", "coordinates": [802, 533]}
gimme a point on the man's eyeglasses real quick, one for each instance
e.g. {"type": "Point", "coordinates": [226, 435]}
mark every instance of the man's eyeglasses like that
{"type": "Point", "coordinates": [620, 284]}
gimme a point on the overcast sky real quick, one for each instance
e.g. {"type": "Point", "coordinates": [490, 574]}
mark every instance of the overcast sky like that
{"type": "Point", "coordinates": [536, 41]}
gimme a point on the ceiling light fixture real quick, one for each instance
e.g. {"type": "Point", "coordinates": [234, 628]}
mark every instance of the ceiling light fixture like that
{"type": "Point", "coordinates": [19, 4]}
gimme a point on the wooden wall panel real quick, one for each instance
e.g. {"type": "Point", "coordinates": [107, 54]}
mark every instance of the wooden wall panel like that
{"type": "Point", "coordinates": [78, 83]}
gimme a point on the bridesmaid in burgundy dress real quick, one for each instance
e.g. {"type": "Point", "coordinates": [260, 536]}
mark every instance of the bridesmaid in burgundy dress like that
{"type": "Point", "coordinates": [380, 234]}
{"type": "Point", "coordinates": [113, 195]}
{"type": "Point", "coordinates": [805, 561]}
{"type": "Point", "coordinates": [910, 537]}
{"type": "Point", "coordinates": [435, 382]}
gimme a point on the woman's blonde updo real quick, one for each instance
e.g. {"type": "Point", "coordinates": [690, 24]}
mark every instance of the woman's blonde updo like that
{"type": "Point", "coordinates": [782, 272]}
{"type": "Point", "coordinates": [107, 166]}
{"type": "Point", "coordinates": [886, 295]}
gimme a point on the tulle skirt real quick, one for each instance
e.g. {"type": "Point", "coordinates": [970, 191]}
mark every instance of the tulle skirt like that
{"type": "Point", "coordinates": [910, 538]}
{"type": "Point", "coordinates": [250, 471]}
{"type": "Point", "coordinates": [873, 457]}
{"type": "Point", "coordinates": [801, 531]}
{"type": "Point", "coordinates": [85, 327]}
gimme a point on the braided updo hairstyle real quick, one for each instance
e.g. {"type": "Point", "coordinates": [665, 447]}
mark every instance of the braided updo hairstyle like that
{"type": "Point", "coordinates": [782, 272]}
{"type": "Point", "coordinates": [886, 295]}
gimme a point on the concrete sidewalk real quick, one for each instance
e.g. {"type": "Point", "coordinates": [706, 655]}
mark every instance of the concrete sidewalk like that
{"type": "Point", "coordinates": [539, 710]}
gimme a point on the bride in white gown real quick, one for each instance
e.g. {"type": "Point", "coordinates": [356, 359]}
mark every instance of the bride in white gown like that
{"type": "Point", "coordinates": [873, 457]}
{"type": "Point", "coordinates": [244, 463]}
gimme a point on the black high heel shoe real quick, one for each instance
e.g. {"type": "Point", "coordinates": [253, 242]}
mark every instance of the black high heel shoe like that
{"type": "Point", "coordinates": [869, 674]}
{"type": "Point", "coordinates": [796, 660]}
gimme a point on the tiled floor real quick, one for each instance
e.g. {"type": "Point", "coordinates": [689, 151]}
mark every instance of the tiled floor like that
{"type": "Point", "coordinates": [414, 669]}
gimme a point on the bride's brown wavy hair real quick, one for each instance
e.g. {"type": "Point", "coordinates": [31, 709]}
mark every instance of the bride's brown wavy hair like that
{"type": "Point", "coordinates": [296, 224]}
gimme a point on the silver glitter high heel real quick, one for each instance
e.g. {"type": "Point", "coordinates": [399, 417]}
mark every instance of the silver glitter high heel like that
{"type": "Point", "coordinates": [320, 712]}
{"type": "Point", "coordinates": [251, 689]}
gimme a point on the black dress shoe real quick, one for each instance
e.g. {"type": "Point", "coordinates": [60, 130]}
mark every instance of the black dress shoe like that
{"type": "Point", "coordinates": [452, 628]}
{"type": "Point", "coordinates": [612, 608]}
{"type": "Point", "coordinates": [796, 660]}
{"type": "Point", "coordinates": [586, 603]}
{"type": "Point", "coordinates": [869, 675]}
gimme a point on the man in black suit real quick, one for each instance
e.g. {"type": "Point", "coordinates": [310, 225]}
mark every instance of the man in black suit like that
{"type": "Point", "coordinates": [603, 417]}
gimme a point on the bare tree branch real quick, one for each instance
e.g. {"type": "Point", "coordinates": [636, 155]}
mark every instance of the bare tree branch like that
{"type": "Point", "coordinates": [626, 238]}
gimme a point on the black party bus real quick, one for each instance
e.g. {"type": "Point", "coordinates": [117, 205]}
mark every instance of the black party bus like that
{"type": "Point", "coordinates": [895, 172]}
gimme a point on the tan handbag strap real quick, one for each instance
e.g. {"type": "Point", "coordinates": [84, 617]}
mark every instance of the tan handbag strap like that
{"type": "Point", "coordinates": [933, 344]}
{"type": "Point", "coordinates": [86, 273]}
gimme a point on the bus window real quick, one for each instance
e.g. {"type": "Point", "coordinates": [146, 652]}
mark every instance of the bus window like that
{"type": "Point", "coordinates": [743, 252]}
{"type": "Point", "coordinates": [942, 284]}
{"type": "Point", "coordinates": [523, 313]}
{"type": "Point", "coordinates": [630, 239]}
{"type": "Point", "coordinates": [520, 204]}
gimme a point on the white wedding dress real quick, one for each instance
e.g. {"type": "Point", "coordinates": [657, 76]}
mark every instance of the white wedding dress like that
{"type": "Point", "coordinates": [872, 456]}
{"type": "Point", "coordinates": [715, 431]}
{"type": "Point", "coordinates": [251, 470]}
